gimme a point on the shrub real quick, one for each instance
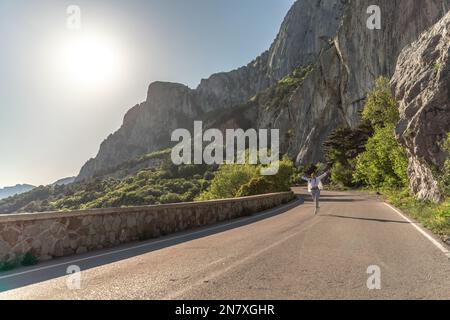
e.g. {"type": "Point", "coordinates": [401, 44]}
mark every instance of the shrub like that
{"type": "Point", "coordinates": [342, 175]}
{"type": "Point", "coordinates": [29, 260]}
{"type": "Point", "coordinates": [228, 180]}
{"type": "Point", "coordinates": [283, 180]}
{"type": "Point", "coordinates": [434, 216]}
{"type": "Point", "coordinates": [170, 198]}
{"type": "Point", "coordinates": [384, 163]}
{"type": "Point", "coordinates": [8, 265]}
{"type": "Point", "coordinates": [245, 180]}
{"type": "Point", "coordinates": [208, 175]}
{"type": "Point", "coordinates": [256, 186]}
{"type": "Point", "coordinates": [132, 199]}
{"type": "Point", "coordinates": [381, 108]}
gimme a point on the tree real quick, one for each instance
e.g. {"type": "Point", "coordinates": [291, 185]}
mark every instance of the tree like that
{"type": "Point", "coordinates": [342, 175]}
{"type": "Point", "coordinates": [384, 163]}
{"type": "Point", "coordinates": [342, 147]}
{"type": "Point", "coordinates": [381, 108]}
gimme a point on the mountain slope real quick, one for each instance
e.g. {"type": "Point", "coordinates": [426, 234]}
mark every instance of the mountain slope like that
{"type": "Point", "coordinates": [63, 181]}
{"type": "Point", "coordinates": [147, 126]}
{"type": "Point", "coordinates": [328, 37]}
{"type": "Point", "coordinates": [7, 192]}
{"type": "Point", "coordinates": [334, 93]}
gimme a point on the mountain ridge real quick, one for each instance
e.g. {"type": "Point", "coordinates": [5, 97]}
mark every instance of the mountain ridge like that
{"type": "Point", "coordinates": [220, 91]}
{"type": "Point", "coordinates": [346, 59]}
{"type": "Point", "coordinates": [7, 192]}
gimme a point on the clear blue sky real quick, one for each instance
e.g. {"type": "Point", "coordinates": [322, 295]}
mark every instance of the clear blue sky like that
{"type": "Point", "coordinates": [49, 126]}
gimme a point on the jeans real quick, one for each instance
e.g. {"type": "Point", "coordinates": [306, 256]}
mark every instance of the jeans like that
{"type": "Point", "coordinates": [316, 196]}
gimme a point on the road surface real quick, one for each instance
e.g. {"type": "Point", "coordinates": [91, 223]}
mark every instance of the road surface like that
{"type": "Point", "coordinates": [287, 253]}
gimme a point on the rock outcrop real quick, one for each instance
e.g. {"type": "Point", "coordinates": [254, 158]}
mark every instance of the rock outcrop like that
{"type": "Point", "coordinates": [421, 84]}
{"type": "Point", "coordinates": [329, 37]}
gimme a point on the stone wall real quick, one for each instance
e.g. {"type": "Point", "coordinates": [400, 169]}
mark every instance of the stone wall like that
{"type": "Point", "coordinates": [57, 234]}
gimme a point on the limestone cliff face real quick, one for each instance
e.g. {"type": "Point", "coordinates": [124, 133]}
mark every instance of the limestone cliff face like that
{"type": "Point", "coordinates": [330, 36]}
{"type": "Point", "coordinates": [334, 92]}
{"type": "Point", "coordinates": [147, 127]}
{"type": "Point", "coordinates": [422, 86]}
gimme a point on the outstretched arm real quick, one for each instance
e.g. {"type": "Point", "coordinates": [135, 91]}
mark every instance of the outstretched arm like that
{"type": "Point", "coordinates": [305, 178]}
{"type": "Point", "coordinates": [323, 176]}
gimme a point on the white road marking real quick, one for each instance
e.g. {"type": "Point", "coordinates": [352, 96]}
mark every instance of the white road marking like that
{"type": "Point", "coordinates": [423, 232]}
{"type": "Point", "coordinates": [270, 212]}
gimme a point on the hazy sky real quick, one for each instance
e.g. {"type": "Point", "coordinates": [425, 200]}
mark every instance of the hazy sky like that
{"type": "Point", "coordinates": [56, 108]}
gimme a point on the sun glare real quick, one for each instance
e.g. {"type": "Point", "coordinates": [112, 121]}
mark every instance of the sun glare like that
{"type": "Point", "coordinates": [89, 61]}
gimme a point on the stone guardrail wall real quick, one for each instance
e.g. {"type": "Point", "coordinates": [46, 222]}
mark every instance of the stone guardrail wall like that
{"type": "Point", "coordinates": [57, 234]}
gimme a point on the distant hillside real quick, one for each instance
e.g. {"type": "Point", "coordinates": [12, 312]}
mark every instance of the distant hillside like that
{"type": "Point", "coordinates": [166, 183]}
{"type": "Point", "coordinates": [64, 181]}
{"type": "Point", "coordinates": [7, 192]}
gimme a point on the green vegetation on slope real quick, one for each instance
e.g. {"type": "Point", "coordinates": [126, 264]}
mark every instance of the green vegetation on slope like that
{"type": "Point", "coordinates": [166, 184]}
{"type": "Point", "coordinates": [129, 167]}
{"type": "Point", "coordinates": [233, 180]}
{"type": "Point", "coordinates": [278, 96]}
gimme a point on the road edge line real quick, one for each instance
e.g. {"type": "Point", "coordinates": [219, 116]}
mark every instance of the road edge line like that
{"type": "Point", "coordinates": [435, 242]}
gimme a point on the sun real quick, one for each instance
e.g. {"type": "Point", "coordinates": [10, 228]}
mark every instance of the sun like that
{"type": "Point", "coordinates": [89, 61]}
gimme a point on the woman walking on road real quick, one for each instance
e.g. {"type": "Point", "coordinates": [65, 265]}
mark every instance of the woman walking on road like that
{"type": "Point", "coordinates": [315, 186]}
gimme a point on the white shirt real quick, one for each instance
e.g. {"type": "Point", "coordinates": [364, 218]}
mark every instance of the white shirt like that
{"type": "Point", "coordinates": [315, 183]}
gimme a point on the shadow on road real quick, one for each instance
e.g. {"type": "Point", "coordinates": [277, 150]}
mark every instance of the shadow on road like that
{"type": "Point", "coordinates": [335, 195]}
{"type": "Point", "coordinates": [309, 199]}
{"type": "Point", "coordinates": [367, 219]}
{"type": "Point", "coordinates": [58, 267]}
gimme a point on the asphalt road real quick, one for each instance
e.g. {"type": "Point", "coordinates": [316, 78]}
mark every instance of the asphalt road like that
{"type": "Point", "coordinates": [287, 253]}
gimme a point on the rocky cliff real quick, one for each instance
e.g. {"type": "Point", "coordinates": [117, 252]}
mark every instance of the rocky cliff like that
{"type": "Point", "coordinates": [147, 127]}
{"type": "Point", "coordinates": [320, 67]}
{"type": "Point", "coordinates": [344, 71]}
{"type": "Point", "coordinates": [422, 86]}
